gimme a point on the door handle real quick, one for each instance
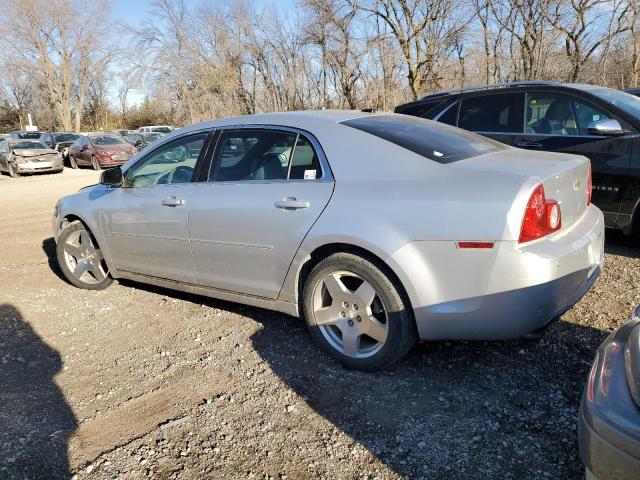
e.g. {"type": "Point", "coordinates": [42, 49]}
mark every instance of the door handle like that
{"type": "Point", "coordinates": [528, 145]}
{"type": "Point", "coordinates": [172, 202]}
{"type": "Point", "coordinates": [291, 203]}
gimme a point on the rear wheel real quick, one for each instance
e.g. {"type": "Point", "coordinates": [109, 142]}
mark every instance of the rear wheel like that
{"type": "Point", "coordinates": [80, 258]}
{"type": "Point", "coordinates": [356, 313]}
{"type": "Point", "coordinates": [94, 163]}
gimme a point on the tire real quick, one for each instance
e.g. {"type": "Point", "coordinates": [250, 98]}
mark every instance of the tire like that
{"type": "Point", "coordinates": [94, 163]}
{"type": "Point", "coordinates": [383, 313]}
{"type": "Point", "coordinates": [12, 171]}
{"type": "Point", "coordinates": [72, 162]}
{"type": "Point", "coordinates": [80, 258]}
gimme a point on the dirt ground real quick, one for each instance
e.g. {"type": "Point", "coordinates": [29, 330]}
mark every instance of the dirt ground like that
{"type": "Point", "coordinates": [140, 382]}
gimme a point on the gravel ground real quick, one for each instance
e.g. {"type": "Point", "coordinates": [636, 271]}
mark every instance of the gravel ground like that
{"type": "Point", "coordinates": [137, 382]}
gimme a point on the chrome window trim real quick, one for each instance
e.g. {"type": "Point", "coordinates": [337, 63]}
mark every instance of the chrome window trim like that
{"type": "Point", "coordinates": [451, 105]}
{"type": "Point", "coordinates": [326, 176]}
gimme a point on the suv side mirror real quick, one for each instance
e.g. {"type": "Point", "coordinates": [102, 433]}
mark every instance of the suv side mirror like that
{"type": "Point", "coordinates": [607, 127]}
{"type": "Point", "coordinates": [112, 177]}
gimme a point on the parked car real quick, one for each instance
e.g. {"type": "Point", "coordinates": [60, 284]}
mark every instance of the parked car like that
{"type": "Point", "coordinates": [100, 150]}
{"type": "Point", "coordinates": [62, 141]}
{"type": "Point", "coordinates": [164, 129]}
{"type": "Point", "coordinates": [28, 156]}
{"type": "Point", "coordinates": [609, 426]}
{"type": "Point", "coordinates": [633, 91]}
{"type": "Point", "coordinates": [19, 135]}
{"type": "Point", "coordinates": [376, 228]}
{"type": "Point", "coordinates": [599, 123]}
{"type": "Point", "coordinates": [4, 136]}
{"type": "Point", "coordinates": [141, 140]}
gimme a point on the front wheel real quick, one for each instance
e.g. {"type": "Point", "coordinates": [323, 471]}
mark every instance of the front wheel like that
{"type": "Point", "coordinates": [80, 258]}
{"type": "Point", "coordinates": [72, 161]}
{"type": "Point", "coordinates": [356, 313]}
{"type": "Point", "coordinates": [94, 163]}
{"type": "Point", "coordinates": [13, 172]}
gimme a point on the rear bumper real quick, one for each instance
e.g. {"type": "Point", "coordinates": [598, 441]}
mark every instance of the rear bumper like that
{"type": "Point", "coordinates": [505, 292]}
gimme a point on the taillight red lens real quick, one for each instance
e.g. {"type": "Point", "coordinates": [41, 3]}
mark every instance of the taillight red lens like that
{"type": "Point", "coordinates": [589, 185]}
{"type": "Point", "coordinates": [541, 217]}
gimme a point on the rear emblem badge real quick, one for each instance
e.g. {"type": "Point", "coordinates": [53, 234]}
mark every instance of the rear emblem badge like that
{"type": "Point", "coordinates": [576, 184]}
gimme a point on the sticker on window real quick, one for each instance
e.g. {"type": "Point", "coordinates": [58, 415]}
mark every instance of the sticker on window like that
{"type": "Point", "coordinates": [309, 174]}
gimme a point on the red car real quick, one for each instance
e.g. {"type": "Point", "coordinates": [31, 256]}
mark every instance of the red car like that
{"type": "Point", "coordinates": [100, 151]}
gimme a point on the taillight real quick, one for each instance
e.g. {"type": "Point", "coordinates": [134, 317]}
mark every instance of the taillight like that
{"type": "Point", "coordinates": [589, 185]}
{"type": "Point", "coordinates": [541, 217]}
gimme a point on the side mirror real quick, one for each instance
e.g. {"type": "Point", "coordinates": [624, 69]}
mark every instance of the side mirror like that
{"type": "Point", "coordinates": [112, 177]}
{"type": "Point", "coordinates": [138, 143]}
{"type": "Point", "coordinates": [607, 127]}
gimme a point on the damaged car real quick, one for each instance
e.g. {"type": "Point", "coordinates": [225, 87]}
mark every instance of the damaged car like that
{"type": "Point", "coordinates": [28, 156]}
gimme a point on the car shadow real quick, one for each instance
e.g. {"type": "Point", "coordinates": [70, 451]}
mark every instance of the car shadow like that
{"type": "Point", "coordinates": [616, 243]}
{"type": "Point", "coordinates": [49, 249]}
{"type": "Point", "coordinates": [35, 420]}
{"type": "Point", "coordinates": [449, 409]}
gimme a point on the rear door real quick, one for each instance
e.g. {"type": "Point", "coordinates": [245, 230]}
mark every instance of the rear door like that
{"type": "Point", "coordinates": [558, 122]}
{"type": "Point", "coordinates": [266, 187]}
{"type": "Point", "coordinates": [494, 115]}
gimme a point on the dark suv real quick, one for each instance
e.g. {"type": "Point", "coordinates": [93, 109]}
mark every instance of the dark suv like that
{"type": "Point", "coordinates": [599, 123]}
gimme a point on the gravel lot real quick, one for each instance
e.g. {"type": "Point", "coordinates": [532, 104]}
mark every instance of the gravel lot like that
{"type": "Point", "coordinates": [135, 381]}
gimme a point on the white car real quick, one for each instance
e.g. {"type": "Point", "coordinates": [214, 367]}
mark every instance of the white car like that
{"type": "Point", "coordinates": [164, 129]}
{"type": "Point", "coordinates": [376, 228]}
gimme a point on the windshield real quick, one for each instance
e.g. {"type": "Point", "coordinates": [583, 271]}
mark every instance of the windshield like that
{"type": "Point", "coordinates": [161, 129]}
{"type": "Point", "coordinates": [435, 141]}
{"type": "Point", "coordinates": [25, 145]}
{"type": "Point", "coordinates": [107, 140]}
{"type": "Point", "coordinates": [66, 137]}
{"type": "Point", "coordinates": [150, 137]}
{"type": "Point", "coordinates": [624, 101]}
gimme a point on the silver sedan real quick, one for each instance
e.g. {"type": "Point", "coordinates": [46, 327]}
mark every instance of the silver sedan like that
{"type": "Point", "coordinates": [378, 229]}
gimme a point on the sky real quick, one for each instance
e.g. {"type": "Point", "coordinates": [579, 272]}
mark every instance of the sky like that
{"type": "Point", "coordinates": [134, 12]}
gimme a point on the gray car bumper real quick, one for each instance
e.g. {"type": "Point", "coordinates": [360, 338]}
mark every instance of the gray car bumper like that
{"type": "Point", "coordinates": [506, 315]}
{"type": "Point", "coordinates": [602, 459]}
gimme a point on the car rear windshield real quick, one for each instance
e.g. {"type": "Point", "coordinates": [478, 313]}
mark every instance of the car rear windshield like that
{"type": "Point", "coordinates": [107, 140]}
{"type": "Point", "coordinates": [435, 141]}
{"type": "Point", "coordinates": [26, 145]}
{"type": "Point", "coordinates": [28, 135]}
{"type": "Point", "coordinates": [66, 137]}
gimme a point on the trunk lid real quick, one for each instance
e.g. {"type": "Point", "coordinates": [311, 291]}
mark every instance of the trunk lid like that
{"type": "Point", "coordinates": [563, 176]}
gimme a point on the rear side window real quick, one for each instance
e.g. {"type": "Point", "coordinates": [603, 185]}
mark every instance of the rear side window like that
{"type": "Point", "coordinates": [490, 113]}
{"type": "Point", "coordinates": [435, 141]}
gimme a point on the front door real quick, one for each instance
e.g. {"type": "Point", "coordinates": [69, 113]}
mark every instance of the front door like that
{"type": "Point", "coordinates": [559, 123]}
{"type": "Point", "coordinates": [266, 188]}
{"type": "Point", "coordinates": [145, 222]}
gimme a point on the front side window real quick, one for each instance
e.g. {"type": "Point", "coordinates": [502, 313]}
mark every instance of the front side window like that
{"type": "Point", "coordinates": [252, 155]}
{"type": "Point", "coordinates": [489, 113]}
{"type": "Point", "coordinates": [557, 114]}
{"type": "Point", "coordinates": [171, 163]}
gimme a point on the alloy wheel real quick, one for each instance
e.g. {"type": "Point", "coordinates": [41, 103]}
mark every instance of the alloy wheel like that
{"type": "Point", "coordinates": [83, 259]}
{"type": "Point", "coordinates": [350, 314]}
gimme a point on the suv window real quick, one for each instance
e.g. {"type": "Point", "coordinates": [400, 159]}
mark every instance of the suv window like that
{"type": "Point", "coordinates": [252, 155]}
{"type": "Point", "coordinates": [171, 163]}
{"type": "Point", "coordinates": [433, 140]}
{"type": "Point", "coordinates": [489, 113]}
{"type": "Point", "coordinates": [557, 114]}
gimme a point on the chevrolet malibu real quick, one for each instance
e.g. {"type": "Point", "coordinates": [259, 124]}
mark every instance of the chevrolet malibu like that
{"type": "Point", "coordinates": [377, 229]}
{"type": "Point", "coordinates": [28, 156]}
